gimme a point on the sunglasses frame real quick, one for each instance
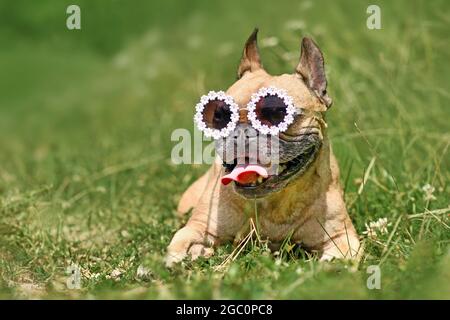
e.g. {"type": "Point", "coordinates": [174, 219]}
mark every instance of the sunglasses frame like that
{"type": "Point", "coordinates": [201, 125]}
{"type": "Point", "coordinates": [291, 111]}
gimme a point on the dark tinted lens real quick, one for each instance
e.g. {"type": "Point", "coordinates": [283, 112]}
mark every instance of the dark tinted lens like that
{"type": "Point", "coordinates": [271, 110]}
{"type": "Point", "coordinates": [217, 114]}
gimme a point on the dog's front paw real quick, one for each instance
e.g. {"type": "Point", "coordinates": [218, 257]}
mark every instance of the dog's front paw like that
{"type": "Point", "coordinates": [187, 242]}
{"type": "Point", "coordinates": [173, 258]}
{"type": "Point", "coordinates": [195, 251]}
{"type": "Point", "coordinates": [345, 247]}
{"type": "Point", "coordinates": [199, 250]}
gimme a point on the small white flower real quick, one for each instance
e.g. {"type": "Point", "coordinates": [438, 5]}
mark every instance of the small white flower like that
{"type": "Point", "coordinates": [428, 191]}
{"type": "Point", "coordinates": [369, 232]}
{"type": "Point", "coordinates": [379, 225]}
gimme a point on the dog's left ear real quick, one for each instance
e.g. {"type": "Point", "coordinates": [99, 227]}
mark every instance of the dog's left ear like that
{"type": "Point", "coordinates": [311, 68]}
{"type": "Point", "coordinates": [250, 60]}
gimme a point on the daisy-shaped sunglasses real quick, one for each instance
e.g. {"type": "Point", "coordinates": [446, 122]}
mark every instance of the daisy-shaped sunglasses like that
{"type": "Point", "coordinates": [270, 111]}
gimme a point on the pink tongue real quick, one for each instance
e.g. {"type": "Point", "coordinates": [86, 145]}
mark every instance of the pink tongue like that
{"type": "Point", "coordinates": [245, 174]}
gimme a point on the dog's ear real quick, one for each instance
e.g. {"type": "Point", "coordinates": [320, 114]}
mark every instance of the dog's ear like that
{"type": "Point", "coordinates": [311, 68]}
{"type": "Point", "coordinates": [250, 60]}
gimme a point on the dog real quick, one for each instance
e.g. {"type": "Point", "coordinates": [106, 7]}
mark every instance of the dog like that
{"type": "Point", "coordinates": [303, 199]}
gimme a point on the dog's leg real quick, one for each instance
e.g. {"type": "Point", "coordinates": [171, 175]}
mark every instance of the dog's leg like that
{"type": "Point", "coordinates": [216, 218]}
{"type": "Point", "coordinates": [191, 196]}
{"type": "Point", "coordinates": [329, 229]}
{"type": "Point", "coordinates": [340, 238]}
{"type": "Point", "coordinates": [190, 240]}
{"type": "Point", "coordinates": [341, 246]}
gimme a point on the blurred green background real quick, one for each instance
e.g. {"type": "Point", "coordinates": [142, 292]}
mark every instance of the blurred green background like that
{"type": "Point", "coordinates": [85, 123]}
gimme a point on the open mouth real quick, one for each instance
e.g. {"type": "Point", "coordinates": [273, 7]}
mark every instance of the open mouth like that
{"type": "Point", "coordinates": [257, 185]}
{"type": "Point", "coordinates": [245, 174]}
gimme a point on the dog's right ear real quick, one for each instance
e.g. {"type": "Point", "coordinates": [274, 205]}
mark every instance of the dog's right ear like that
{"type": "Point", "coordinates": [250, 60]}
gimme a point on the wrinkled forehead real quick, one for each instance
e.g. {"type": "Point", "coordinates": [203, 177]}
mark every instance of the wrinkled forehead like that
{"type": "Point", "coordinates": [242, 90]}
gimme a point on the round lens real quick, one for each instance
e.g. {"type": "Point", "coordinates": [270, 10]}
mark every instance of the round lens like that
{"type": "Point", "coordinates": [217, 114]}
{"type": "Point", "coordinates": [271, 110]}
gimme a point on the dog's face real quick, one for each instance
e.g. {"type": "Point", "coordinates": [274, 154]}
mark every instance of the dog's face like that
{"type": "Point", "coordinates": [297, 147]}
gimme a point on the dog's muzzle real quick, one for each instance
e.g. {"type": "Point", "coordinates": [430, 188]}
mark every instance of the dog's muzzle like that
{"type": "Point", "coordinates": [259, 164]}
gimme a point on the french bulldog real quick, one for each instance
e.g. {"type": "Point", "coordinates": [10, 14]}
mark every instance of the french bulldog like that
{"type": "Point", "coordinates": [299, 196]}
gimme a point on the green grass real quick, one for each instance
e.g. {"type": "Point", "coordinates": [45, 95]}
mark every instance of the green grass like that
{"type": "Point", "coordinates": [85, 124]}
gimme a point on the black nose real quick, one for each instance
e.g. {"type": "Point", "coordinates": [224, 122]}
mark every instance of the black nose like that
{"type": "Point", "coordinates": [244, 131]}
